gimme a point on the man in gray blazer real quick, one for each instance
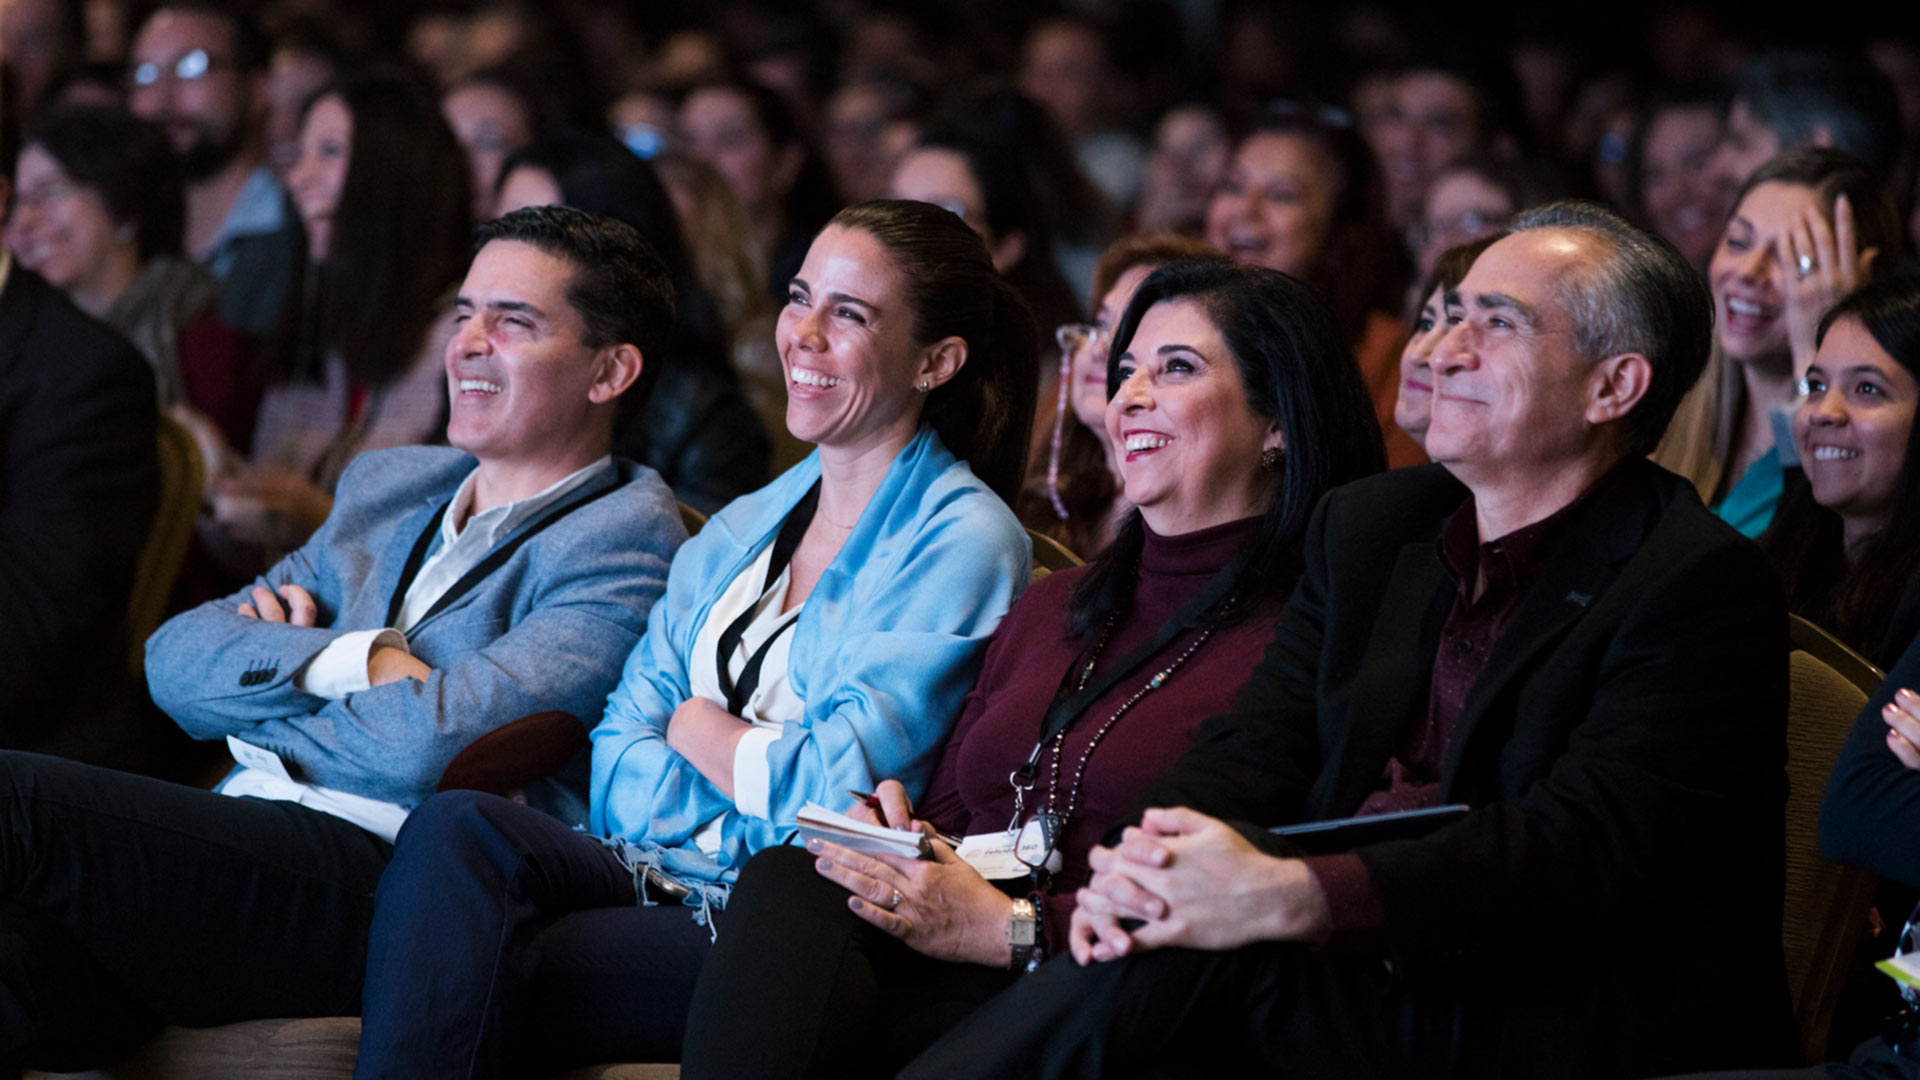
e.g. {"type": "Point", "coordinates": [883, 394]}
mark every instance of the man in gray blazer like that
{"type": "Point", "coordinates": [450, 592]}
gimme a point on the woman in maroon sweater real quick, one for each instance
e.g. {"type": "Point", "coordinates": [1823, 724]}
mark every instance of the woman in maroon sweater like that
{"type": "Point", "coordinates": [1235, 404]}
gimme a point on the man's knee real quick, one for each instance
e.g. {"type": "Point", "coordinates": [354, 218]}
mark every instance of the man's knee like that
{"type": "Point", "coordinates": [453, 817]}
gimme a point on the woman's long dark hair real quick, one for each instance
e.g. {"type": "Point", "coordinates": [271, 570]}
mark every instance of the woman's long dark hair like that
{"type": "Point", "coordinates": [1855, 597]}
{"type": "Point", "coordinates": [401, 233]}
{"type": "Point", "coordinates": [984, 413]}
{"type": "Point", "coordinates": [1296, 362]}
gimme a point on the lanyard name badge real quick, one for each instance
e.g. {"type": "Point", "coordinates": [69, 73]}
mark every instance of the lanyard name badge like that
{"type": "Point", "coordinates": [1034, 841]}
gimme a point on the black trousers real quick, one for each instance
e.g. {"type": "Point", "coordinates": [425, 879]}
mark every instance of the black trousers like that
{"type": "Point", "coordinates": [126, 902]}
{"type": "Point", "coordinates": [821, 992]}
{"type": "Point", "coordinates": [505, 943]}
{"type": "Point", "coordinates": [1257, 1011]}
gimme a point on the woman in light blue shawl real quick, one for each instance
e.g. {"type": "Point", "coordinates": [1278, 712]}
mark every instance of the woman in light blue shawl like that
{"type": "Point", "coordinates": [816, 636]}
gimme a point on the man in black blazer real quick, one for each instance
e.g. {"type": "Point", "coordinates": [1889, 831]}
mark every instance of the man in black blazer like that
{"type": "Point", "coordinates": [1543, 627]}
{"type": "Point", "coordinates": [79, 482]}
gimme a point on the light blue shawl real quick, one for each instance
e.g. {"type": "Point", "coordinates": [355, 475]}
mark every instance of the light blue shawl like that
{"type": "Point", "coordinates": [889, 642]}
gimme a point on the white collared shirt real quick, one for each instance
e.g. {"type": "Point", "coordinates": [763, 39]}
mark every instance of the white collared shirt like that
{"type": "Point", "coordinates": [340, 669]}
{"type": "Point", "coordinates": [773, 702]}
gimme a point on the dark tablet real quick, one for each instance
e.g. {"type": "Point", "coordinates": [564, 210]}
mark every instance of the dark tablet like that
{"type": "Point", "coordinates": [1345, 834]}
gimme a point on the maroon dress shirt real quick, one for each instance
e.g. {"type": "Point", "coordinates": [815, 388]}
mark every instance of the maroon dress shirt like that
{"type": "Point", "coordinates": [1490, 580]}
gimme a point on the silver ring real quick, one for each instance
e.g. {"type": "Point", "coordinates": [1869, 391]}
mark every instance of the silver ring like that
{"type": "Point", "coordinates": [895, 902]}
{"type": "Point", "coordinates": [1806, 266]}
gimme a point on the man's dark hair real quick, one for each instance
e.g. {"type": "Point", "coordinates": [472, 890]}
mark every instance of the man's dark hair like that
{"type": "Point", "coordinates": [619, 287]}
{"type": "Point", "coordinates": [252, 49]}
{"type": "Point", "coordinates": [1639, 297]}
{"type": "Point", "coordinates": [1794, 91]}
{"type": "Point", "coordinates": [128, 163]}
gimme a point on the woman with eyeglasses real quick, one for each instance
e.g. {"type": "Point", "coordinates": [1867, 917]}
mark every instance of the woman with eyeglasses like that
{"type": "Point", "coordinates": [1303, 196]}
{"type": "Point", "coordinates": [1466, 202]}
{"type": "Point", "coordinates": [1236, 405]}
{"type": "Point", "coordinates": [1072, 493]}
{"type": "Point", "coordinates": [100, 213]}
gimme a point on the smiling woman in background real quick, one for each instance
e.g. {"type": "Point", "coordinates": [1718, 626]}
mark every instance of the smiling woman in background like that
{"type": "Point", "coordinates": [1847, 543]}
{"type": "Point", "coordinates": [1303, 196]}
{"type": "Point", "coordinates": [100, 213]}
{"type": "Point", "coordinates": [381, 187]}
{"type": "Point", "coordinates": [1413, 410]}
{"type": "Point", "coordinates": [1809, 227]}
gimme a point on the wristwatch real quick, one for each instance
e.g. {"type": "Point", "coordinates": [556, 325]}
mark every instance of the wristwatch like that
{"type": "Point", "coordinates": [1023, 931]}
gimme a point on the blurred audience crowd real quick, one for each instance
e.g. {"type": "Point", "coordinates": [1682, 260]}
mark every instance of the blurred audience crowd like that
{"type": "Point", "coordinates": [272, 204]}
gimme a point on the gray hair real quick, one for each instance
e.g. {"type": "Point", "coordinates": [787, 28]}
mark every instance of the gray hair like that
{"type": "Point", "coordinates": [1640, 297]}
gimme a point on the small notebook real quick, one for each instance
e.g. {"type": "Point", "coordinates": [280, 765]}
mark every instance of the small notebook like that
{"type": "Point", "coordinates": [817, 821]}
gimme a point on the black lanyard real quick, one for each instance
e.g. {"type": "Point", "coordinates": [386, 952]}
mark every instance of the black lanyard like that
{"type": "Point", "coordinates": [1069, 704]}
{"type": "Point", "coordinates": [418, 556]}
{"type": "Point", "coordinates": [784, 545]}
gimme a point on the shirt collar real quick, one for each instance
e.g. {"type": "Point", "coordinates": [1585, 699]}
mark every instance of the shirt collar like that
{"type": "Point", "coordinates": [501, 520]}
{"type": "Point", "coordinates": [1523, 552]}
{"type": "Point", "coordinates": [259, 208]}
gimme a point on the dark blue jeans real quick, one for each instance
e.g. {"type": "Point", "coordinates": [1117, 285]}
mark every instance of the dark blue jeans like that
{"type": "Point", "coordinates": [504, 942]}
{"type": "Point", "coordinates": [127, 901]}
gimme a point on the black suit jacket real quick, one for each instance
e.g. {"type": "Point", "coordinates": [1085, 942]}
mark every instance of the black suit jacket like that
{"type": "Point", "coordinates": [1611, 906]}
{"type": "Point", "coordinates": [78, 487]}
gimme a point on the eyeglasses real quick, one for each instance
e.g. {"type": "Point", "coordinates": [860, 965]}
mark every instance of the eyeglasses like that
{"type": "Point", "coordinates": [44, 194]}
{"type": "Point", "coordinates": [195, 64]}
{"type": "Point", "coordinates": [1328, 116]}
{"type": "Point", "coordinates": [1074, 336]}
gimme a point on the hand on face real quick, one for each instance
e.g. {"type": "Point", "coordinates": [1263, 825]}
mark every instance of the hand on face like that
{"type": "Point", "coordinates": [1764, 310]}
{"type": "Point", "coordinates": [1826, 265]}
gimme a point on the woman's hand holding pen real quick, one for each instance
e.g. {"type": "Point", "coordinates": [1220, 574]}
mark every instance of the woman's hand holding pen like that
{"type": "Point", "coordinates": [888, 805]}
{"type": "Point", "coordinates": [938, 906]}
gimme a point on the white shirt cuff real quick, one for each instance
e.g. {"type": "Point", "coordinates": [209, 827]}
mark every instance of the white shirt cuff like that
{"type": "Point", "coordinates": [341, 668]}
{"type": "Point", "coordinates": [751, 780]}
